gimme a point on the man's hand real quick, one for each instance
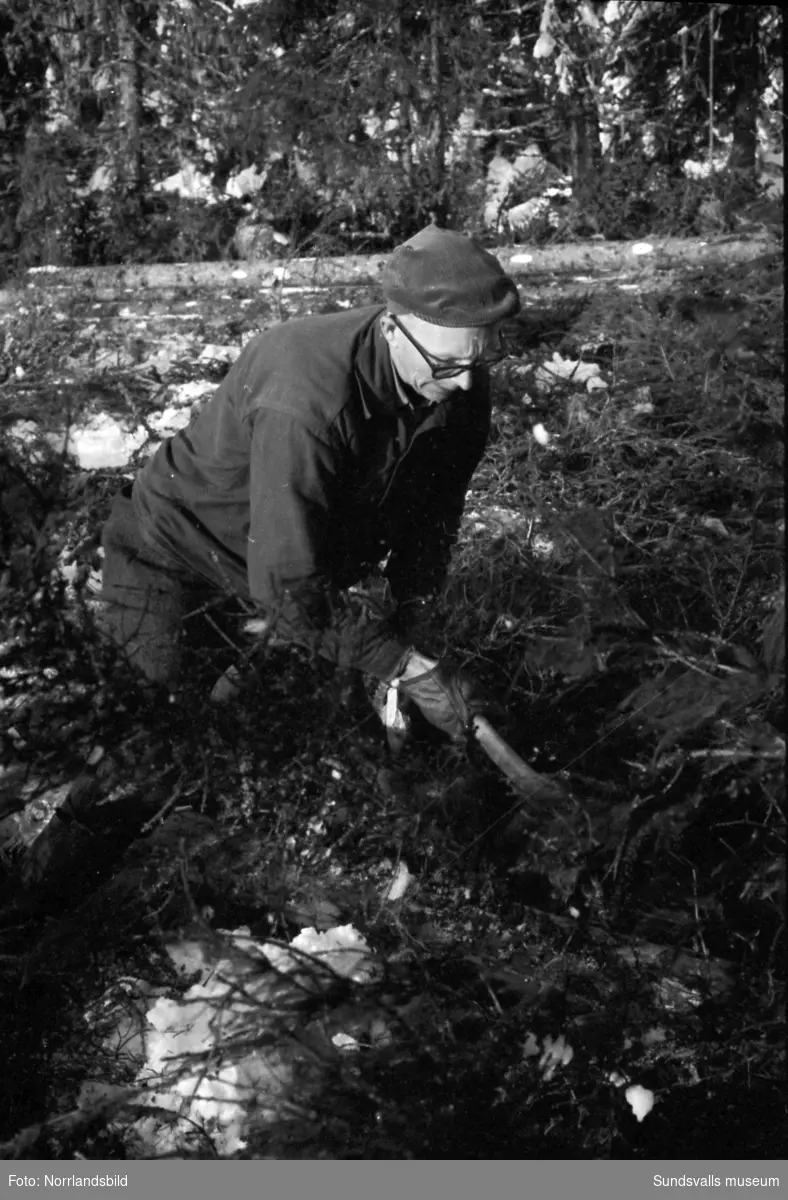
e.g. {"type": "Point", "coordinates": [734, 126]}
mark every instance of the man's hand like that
{"type": "Point", "coordinates": [448, 697]}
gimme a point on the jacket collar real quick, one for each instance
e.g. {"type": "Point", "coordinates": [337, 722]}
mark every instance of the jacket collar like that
{"type": "Point", "coordinates": [380, 395]}
{"type": "Point", "coordinates": [382, 391]}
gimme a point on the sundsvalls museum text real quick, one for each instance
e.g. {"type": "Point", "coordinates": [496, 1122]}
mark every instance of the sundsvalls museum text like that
{"type": "Point", "coordinates": [731, 1181]}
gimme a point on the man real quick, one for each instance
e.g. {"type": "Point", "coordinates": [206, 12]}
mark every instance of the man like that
{"type": "Point", "coordinates": [334, 443]}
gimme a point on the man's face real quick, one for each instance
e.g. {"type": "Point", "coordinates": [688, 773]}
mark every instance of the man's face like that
{"type": "Point", "coordinates": [451, 345]}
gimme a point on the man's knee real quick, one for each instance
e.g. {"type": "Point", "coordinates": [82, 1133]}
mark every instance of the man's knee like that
{"type": "Point", "coordinates": [141, 603]}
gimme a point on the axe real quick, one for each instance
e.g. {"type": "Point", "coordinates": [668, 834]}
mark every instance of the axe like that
{"type": "Point", "coordinates": [528, 782]}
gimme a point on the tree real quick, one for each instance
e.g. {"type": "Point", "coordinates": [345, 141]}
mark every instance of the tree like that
{"type": "Point", "coordinates": [362, 116]}
{"type": "Point", "coordinates": [129, 91]}
{"type": "Point", "coordinates": [741, 58]}
{"type": "Point", "coordinates": [22, 99]}
{"type": "Point", "coordinates": [697, 70]}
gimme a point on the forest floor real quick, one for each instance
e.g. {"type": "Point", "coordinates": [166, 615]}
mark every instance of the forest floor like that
{"type": "Point", "coordinates": [619, 585]}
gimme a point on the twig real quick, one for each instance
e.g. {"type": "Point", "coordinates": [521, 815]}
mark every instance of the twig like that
{"type": "Point", "coordinates": [735, 751]}
{"type": "Point", "coordinates": [737, 588]}
{"type": "Point", "coordinates": [668, 367]}
{"type": "Point", "coordinates": [165, 809]}
{"type": "Point", "coordinates": [674, 656]}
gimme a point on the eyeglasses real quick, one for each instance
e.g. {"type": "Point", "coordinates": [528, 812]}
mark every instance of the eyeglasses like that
{"type": "Point", "coordinates": [445, 368]}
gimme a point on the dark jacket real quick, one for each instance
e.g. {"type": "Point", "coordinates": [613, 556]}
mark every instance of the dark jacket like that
{"type": "Point", "coordinates": [305, 469]}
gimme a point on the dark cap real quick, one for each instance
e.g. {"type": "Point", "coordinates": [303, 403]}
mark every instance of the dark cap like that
{"type": "Point", "coordinates": [449, 279]}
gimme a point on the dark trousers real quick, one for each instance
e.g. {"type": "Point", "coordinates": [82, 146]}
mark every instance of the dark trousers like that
{"type": "Point", "coordinates": [152, 608]}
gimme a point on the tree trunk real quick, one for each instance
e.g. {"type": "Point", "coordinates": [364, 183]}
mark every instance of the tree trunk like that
{"type": "Point", "coordinates": [405, 124]}
{"type": "Point", "coordinates": [129, 148]}
{"type": "Point", "coordinates": [583, 132]}
{"type": "Point", "coordinates": [438, 138]}
{"type": "Point", "coordinates": [744, 150]}
{"type": "Point", "coordinates": [69, 38]}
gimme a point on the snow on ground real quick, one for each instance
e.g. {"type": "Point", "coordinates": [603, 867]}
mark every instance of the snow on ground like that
{"type": "Point", "coordinates": [184, 1040]}
{"type": "Point", "coordinates": [104, 441]}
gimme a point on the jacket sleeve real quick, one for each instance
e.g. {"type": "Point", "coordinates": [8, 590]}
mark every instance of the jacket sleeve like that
{"type": "Point", "coordinates": [420, 560]}
{"type": "Point", "coordinates": [295, 476]}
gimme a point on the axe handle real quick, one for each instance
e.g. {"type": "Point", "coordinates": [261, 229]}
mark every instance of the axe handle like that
{"type": "Point", "coordinates": [507, 760]}
{"type": "Point", "coordinates": [533, 785]}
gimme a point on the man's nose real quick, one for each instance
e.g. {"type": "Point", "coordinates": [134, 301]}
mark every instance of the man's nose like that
{"type": "Point", "coordinates": [465, 381]}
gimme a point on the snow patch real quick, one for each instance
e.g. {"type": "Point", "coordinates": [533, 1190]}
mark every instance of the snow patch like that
{"type": "Point", "coordinates": [552, 1053]}
{"type": "Point", "coordinates": [104, 442]}
{"type": "Point", "coordinates": [226, 354]}
{"type": "Point", "coordinates": [187, 1071]}
{"type": "Point", "coordinates": [189, 183]}
{"type": "Point", "coordinates": [245, 183]}
{"type": "Point", "coordinates": [557, 368]}
{"type": "Point", "coordinates": [100, 443]}
{"type": "Point", "coordinates": [641, 1100]}
{"type": "Point", "coordinates": [170, 420]}
{"type": "Point", "coordinates": [399, 884]}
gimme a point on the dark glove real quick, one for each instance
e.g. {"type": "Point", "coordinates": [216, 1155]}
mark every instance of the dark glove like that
{"type": "Point", "coordinates": [448, 697]}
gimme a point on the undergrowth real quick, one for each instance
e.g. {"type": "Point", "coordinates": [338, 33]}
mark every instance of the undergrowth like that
{"type": "Point", "coordinates": [621, 591]}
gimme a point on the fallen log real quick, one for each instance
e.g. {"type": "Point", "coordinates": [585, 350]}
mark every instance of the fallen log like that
{"type": "Point", "coordinates": [532, 266]}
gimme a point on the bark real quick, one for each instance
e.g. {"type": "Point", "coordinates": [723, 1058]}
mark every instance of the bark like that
{"type": "Point", "coordinates": [405, 124]}
{"type": "Point", "coordinates": [130, 99]}
{"type": "Point", "coordinates": [583, 119]}
{"type": "Point", "coordinates": [744, 150]}
{"type": "Point", "coordinates": [584, 143]}
{"type": "Point", "coordinates": [438, 114]}
{"type": "Point", "coordinates": [606, 263]}
{"type": "Point", "coordinates": [743, 154]}
{"type": "Point", "coordinates": [101, 18]}
{"type": "Point", "coordinates": [69, 37]}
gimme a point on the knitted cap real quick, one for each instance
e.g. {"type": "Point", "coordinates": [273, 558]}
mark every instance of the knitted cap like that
{"type": "Point", "coordinates": [448, 279]}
